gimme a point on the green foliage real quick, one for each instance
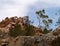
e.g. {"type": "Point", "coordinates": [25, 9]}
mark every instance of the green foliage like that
{"type": "Point", "coordinates": [41, 14]}
{"type": "Point", "coordinates": [45, 31]}
{"type": "Point", "coordinates": [16, 31]}
{"type": "Point", "coordinates": [29, 31]}
{"type": "Point", "coordinates": [43, 18]}
{"type": "Point", "coordinates": [45, 22]}
{"type": "Point", "coordinates": [49, 20]}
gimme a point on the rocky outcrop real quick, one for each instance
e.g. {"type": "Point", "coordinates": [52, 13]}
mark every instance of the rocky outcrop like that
{"type": "Point", "coordinates": [8, 23]}
{"type": "Point", "coordinates": [28, 41]}
{"type": "Point", "coordinates": [39, 39]}
{"type": "Point", "coordinates": [44, 40]}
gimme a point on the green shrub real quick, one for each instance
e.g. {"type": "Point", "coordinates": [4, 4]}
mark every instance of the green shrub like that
{"type": "Point", "coordinates": [29, 31]}
{"type": "Point", "coordinates": [16, 31]}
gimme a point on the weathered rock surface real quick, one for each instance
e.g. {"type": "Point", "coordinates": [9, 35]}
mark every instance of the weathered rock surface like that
{"type": "Point", "coordinates": [50, 39]}
{"type": "Point", "coordinates": [44, 40]}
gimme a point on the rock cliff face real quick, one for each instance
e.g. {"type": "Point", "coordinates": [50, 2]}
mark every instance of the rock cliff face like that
{"type": "Point", "coordinates": [44, 40]}
{"type": "Point", "coordinates": [28, 41]}
{"type": "Point", "coordinates": [39, 39]}
{"type": "Point", "coordinates": [8, 23]}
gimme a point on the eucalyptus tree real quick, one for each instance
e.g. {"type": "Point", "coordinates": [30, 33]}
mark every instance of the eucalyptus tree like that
{"type": "Point", "coordinates": [43, 18]}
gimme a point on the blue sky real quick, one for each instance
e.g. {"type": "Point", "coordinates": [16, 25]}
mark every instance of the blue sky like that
{"type": "Point", "coordinates": [51, 12]}
{"type": "Point", "coordinates": [51, 9]}
{"type": "Point", "coordinates": [9, 8]}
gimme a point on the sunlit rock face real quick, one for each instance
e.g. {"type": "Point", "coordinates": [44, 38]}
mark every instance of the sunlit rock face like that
{"type": "Point", "coordinates": [39, 39]}
{"type": "Point", "coordinates": [31, 41]}
{"type": "Point", "coordinates": [28, 41]}
{"type": "Point", "coordinates": [44, 40]}
{"type": "Point", "coordinates": [10, 22]}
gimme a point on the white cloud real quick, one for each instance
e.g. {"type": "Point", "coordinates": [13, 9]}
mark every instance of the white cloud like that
{"type": "Point", "coordinates": [14, 7]}
{"type": "Point", "coordinates": [20, 7]}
